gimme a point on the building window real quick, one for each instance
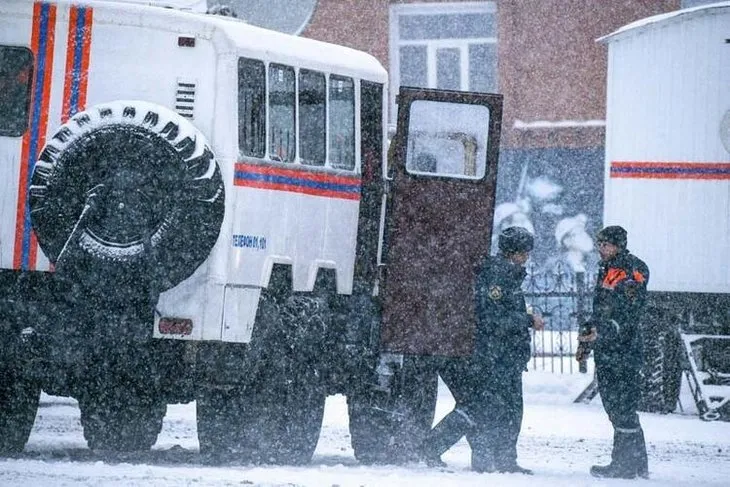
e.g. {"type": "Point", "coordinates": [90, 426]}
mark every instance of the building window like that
{"type": "Point", "coordinates": [16, 70]}
{"type": "Point", "coordinates": [443, 45]}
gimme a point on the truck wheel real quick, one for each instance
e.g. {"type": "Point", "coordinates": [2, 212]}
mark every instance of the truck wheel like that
{"type": "Point", "coordinates": [283, 416]}
{"type": "Point", "coordinates": [389, 428]}
{"type": "Point", "coordinates": [121, 420]}
{"type": "Point", "coordinates": [661, 371]}
{"type": "Point", "coordinates": [121, 410]}
{"type": "Point", "coordinates": [159, 192]}
{"type": "Point", "coordinates": [18, 406]}
{"type": "Point", "coordinates": [218, 416]}
{"type": "Point", "coordinates": [276, 417]}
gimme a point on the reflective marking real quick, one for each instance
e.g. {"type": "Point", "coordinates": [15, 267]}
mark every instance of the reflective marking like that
{"type": "Point", "coordinates": [77, 61]}
{"type": "Point", "coordinates": [42, 45]}
{"type": "Point", "coordinates": [297, 181]}
{"type": "Point", "coordinates": [670, 170]}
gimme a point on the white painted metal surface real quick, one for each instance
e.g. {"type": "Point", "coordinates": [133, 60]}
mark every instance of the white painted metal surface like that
{"type": "Point", "coordinates": [132, 51]}
{"type": "Point", "coordinates": [667, 175]}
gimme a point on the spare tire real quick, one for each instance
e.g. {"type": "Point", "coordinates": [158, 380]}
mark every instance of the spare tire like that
{"type": "Point", "coordinates": [159, 193]}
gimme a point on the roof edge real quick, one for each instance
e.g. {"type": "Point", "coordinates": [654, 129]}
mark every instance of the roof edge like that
{"type": "Point", "coordinates": [656, 20]}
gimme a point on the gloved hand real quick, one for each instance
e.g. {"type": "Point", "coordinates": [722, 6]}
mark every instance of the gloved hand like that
{"type": "Point", "coordinates": [582, 352]}
{"type": "Point", "coordinates": [586, 336]}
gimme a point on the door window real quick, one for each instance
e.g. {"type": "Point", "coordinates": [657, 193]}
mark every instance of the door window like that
{"type": "Point", "coordinates": [447, 139]}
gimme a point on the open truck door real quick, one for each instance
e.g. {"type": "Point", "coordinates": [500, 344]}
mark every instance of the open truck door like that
{"type": "Point", "coordinates": [437, 228]}
{"type": "Point", "coordinates": [443, 165]}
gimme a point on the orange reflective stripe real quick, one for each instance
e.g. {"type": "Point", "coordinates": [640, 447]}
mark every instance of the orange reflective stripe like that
{"type": "Point", "coordinates": [613, 277]}
{"type": "Point", "coordinates": [639, 277]}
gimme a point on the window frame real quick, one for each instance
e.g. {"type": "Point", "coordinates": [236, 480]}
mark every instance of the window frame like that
{"type": "Point", "coordinates": [433, 45]}
{"type": "Point", "coordinates": [327, 162]}
{"type": "Point", "coordinates": [263, 141]}
{"type": "Point", "coordinates": [295, 115]}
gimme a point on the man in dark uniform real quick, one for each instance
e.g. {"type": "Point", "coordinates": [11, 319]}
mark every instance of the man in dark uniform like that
{"type": "Point", "coordinates": [487, 386]}
{"type": "Point", "coordinates": [614, 333]}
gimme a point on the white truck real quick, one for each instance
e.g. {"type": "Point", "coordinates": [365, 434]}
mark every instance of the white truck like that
{"type": "Point", "coordinates": [667, 181]}
{"type": "Point", "coordinates": [193, 208]}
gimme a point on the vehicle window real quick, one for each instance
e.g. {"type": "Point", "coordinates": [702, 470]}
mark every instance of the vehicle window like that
{"type": "Point", "coordinates": [447, 139]}
{"type": "Point", "coordinates": [312, 117]}
{"type": "Point", "coordinates": [342, 122]}
{"type": "Point", "coordinates": [251, 108]}
{"type": "Point", "coordinates": [282, 113]}
{"type": "Point", "coordinates": [16, 69]}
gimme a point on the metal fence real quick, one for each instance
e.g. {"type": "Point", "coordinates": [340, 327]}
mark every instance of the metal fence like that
{"type": "Point", "coordinates": [564, 298]}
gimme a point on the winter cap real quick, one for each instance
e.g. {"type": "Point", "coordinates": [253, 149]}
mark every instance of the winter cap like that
{"type": "Point", "coordinates": [614, 234]}
{"type": "Point", "coordinates": [515, 239]}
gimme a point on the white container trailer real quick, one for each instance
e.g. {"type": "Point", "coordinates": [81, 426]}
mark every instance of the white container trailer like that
{"type": "Point", "coordinates": [667, 173]}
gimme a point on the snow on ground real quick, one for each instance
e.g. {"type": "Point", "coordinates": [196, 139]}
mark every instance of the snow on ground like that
{"type": "Point", "coordinates": [560, 441]}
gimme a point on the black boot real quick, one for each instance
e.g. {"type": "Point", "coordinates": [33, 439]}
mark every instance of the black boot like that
{"type": "Point", "coordinates": [628, 458]}
{"type": "Point", "coordinates": [514, 468]}
{"type": "Point", "coordinates": [641, 457]}
{"type": "Point", "coordinates": [482, 457]}
{"type": "Point", "coordinates": [443, 436]}
{"type": "Point", "coordinates": [612, 471]}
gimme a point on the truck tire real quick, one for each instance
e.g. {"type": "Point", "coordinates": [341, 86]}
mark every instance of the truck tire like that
{"type": "Point", "coordinates": [276, 416]}
{"type": "Point", "coordinates": [283, 414]}
{"type": "Point", "coordinates": [389, 429]}
{"type": "Point", "coordinates": [119, 397]}
{"type": "Point", "coordinates": [661, 372]}
{"type": "Point", "coordinates": [18, 406]}
{"type": "Point", "coordinates": [159, 193]}
{"type": "Point", "coordinates": [121, 419]}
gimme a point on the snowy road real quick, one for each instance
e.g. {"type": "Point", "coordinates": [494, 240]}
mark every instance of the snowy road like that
{"type": "Point", "coordinates": [560, 441]}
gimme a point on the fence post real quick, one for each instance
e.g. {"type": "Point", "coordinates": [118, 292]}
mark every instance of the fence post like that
{"type": "Point", "coordinates": [580, 281]}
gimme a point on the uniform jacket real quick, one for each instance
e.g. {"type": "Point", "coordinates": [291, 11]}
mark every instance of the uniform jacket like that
{"type": "Point", "coordinates": [503, 325]}
{"type": "Point", "coordinates": [618, 304]}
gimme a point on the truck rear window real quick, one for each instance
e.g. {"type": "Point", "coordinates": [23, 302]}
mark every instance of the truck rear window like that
{"type": "Point", "coordinates": [16, 72]}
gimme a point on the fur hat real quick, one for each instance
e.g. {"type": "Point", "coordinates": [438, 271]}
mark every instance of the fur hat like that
{"type": "Point", "coordinates": [614, 234]}
{"type": "Point", "coordinates": [515, 239]}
